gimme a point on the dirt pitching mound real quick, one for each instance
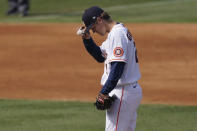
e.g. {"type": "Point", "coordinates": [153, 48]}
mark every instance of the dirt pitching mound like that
{"type": "Point", "coordinates": [48, 61]}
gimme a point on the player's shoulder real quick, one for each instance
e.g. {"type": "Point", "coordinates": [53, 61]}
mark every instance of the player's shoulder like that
{"type": "Point", "coordinates": [118, 30]}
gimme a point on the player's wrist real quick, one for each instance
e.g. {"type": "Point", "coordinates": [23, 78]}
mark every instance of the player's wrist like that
{"type": "Point", "coordinates": [104, 92]}
{"type": "Point", "coordinates": [86, 36]}
{"type": "Point", "coordinates": [103, 95]}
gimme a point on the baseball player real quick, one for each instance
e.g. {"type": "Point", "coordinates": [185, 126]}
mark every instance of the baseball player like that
{"type": "Point", "coordinates": [18, 6]}
{"type": "Point", "coordinates": [121, 69]}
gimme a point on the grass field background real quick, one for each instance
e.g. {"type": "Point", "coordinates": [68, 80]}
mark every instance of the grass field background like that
{"type": "Point", "coordinates": [138, 11]}
{"type": "Point", "coordinates": [23, 115]}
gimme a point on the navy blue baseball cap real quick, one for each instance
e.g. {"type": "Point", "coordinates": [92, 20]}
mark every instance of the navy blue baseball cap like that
{"type": "Point", "coordinates": [90, 15]}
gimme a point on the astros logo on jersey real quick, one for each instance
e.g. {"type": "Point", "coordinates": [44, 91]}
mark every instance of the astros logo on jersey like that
{"type": "Point", "coordinates": [118, 52]}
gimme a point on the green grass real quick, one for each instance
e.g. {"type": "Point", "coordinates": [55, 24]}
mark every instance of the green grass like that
{"type": "Point", "coordinates": [49, 116]}
{"type": "Point", "coordinates": [26, 115]}
{"type": "Point", "coordinates": [137, 11]}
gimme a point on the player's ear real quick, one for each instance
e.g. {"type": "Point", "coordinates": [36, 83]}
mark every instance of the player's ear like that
{"type": "Point", "coordinates": [99, 20]}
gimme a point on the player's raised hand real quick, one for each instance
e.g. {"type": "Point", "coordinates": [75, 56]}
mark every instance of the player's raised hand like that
{"type": "Point", "coordinates": [83, 33]}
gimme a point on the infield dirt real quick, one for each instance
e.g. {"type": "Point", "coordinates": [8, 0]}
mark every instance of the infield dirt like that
{"type": "Point", "coordinates": [48, 61]}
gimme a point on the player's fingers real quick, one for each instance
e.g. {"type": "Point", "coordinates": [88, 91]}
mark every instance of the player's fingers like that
{"type": "Point", "coordinates": [83, 28]}
{"type": "Point", "coordinates": [81, 31]}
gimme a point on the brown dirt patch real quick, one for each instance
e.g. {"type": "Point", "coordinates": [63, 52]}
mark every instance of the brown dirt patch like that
{"type": "Point", "coordinates": [48, 61]}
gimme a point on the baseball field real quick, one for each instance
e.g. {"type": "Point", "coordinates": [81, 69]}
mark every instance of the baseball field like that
{"type": "Point", "coordinates": [49, 82]}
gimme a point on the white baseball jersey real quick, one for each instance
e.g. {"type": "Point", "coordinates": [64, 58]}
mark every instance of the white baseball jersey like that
{"type": "Point", "coordinates": [120, 46]}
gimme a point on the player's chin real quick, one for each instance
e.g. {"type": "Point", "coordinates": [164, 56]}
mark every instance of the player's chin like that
{"type": "Point", "coordinates": [101, 33]}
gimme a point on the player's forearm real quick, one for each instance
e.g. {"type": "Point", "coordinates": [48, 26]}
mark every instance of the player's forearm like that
{"type": "Point", "coordinates": [93, 49]}
{"type": "Point", "coordinates": [116, 72]}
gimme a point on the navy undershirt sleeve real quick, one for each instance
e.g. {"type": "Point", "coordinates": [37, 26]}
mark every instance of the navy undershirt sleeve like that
{"type": "Point", "coordinates": [93, 50]}
{"type": "Point", "coordinates": [117, 69]}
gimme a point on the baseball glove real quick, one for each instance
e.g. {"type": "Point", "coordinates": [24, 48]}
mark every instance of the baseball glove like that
{"type": "Point", "coordinates": [103, 102]}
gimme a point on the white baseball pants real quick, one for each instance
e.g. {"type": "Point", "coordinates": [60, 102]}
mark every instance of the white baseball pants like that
{"type": "Point", "coordinates": [123, 113]}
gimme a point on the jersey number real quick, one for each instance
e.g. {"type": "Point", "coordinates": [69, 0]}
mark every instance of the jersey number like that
{"type": "Point", "coordinates": [136, 57]}
{"type": "Point", "coordinates": [129, 36]}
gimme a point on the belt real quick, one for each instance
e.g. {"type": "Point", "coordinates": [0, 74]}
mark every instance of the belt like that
{"type": "Point", "coordinates": [134, 84]}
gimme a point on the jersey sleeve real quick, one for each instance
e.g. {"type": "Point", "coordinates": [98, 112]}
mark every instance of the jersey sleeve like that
{"type": "Point", "coordinates": [93, 50]}
{"type": "Point", "coordinates": [118, 48]}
